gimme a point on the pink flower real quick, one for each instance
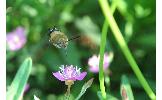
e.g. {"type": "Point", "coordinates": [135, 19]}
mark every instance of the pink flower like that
{"type": "Point", "coordinates": [16, 39]}
{"type": "Point", "coordinates": [27, 86]}
{"type": "Point", "coordinates": [69, 73]}
{"type": "Point", "coordinates": [93, 63]}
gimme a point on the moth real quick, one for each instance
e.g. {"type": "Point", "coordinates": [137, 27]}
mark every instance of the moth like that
{"type": "Point", "coordinates": [58, 38]}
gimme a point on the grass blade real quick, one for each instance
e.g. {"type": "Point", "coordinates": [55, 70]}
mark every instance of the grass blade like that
{"type": "Point", "coordinates": [118, 35]}
{"type": "Point", "coordinates": [15, 91]}
{"type": "Point", "coordinates": [84, 88]}
{"type": "Point", "coordinates": [125, 89]}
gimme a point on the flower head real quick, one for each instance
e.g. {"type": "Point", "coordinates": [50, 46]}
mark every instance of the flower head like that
{"type": "Point", "coordinates": [69, 73]}
{"type": "Point", "coordinates": [93, 62]}
{"type": "Point", "coordinates": [16, 39]}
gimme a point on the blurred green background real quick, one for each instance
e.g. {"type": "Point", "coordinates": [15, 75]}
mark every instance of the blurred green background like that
{"type": "Point", "coordinates": [136, 20]}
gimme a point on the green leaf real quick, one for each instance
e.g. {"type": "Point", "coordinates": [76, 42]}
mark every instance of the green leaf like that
{"type": "Point", "coordinates": [141, 11]}
{"type": "Point", "coordinates": [108, 96]}
{"type": "Point", "coordinates": [125, 89]}
{"type": "Point", "coordinates": [16, 89]}
{"type": "Point", "coordinates": [84, 88]}
{"type": "Point", "coordinates": [128, 30]}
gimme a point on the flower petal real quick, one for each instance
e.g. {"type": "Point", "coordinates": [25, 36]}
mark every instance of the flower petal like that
{"type": "Point", "coordinates": [16, 39]}
{"type": "Point", "coordinates": [58, 76]}
{"type": "Point", "coordinates": [93, 61]}
{"type": "Point", "coordinates": [94, 69]}
{"type": "Point", "coordinates": [81, 76]}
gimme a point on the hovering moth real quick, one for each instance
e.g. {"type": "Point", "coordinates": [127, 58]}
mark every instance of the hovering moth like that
{"type": "Point", "coordinates": [58, 38]}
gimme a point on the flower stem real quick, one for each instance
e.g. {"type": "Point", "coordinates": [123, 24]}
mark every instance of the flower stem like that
{"type": "Point", "coordinates": [118, 35]}
{"type": "Point", "coordinates": [67, 95]}
{"type": "Point", "coordinates": [102, 50]}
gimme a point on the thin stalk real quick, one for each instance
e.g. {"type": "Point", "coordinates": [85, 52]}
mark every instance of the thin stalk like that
{"type": "Point", "coordinates": [67, 95]}
{"type": "Point", "coordinates": [102, 50]}
{"type": "Point", "coordinates": [120, 40]}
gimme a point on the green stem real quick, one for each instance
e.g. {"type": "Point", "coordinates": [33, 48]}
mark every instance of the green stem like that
{"type": "Point", "coordinates": [102, 50]}
{"type": "Point", "coordinates": [118, 35]}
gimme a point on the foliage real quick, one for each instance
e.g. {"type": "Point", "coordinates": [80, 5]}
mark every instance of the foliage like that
{"type": "Point", "coordinates": [136, 20]}
{"type": "Point", "coordinates": [16, 90]}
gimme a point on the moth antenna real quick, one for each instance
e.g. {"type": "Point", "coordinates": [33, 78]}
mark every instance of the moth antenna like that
{"type": "Point", "coordinates": [73, 38]}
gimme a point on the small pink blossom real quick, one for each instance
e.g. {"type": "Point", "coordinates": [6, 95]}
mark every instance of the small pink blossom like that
{"type": "Point", "coordinates": [71, 73]}
{"type": "Point", "coordinates": [16, 39]}
{"type": "Point", "coordinates": [27, 86]}
{"type": "Point", "coordinates": [93, 63]}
